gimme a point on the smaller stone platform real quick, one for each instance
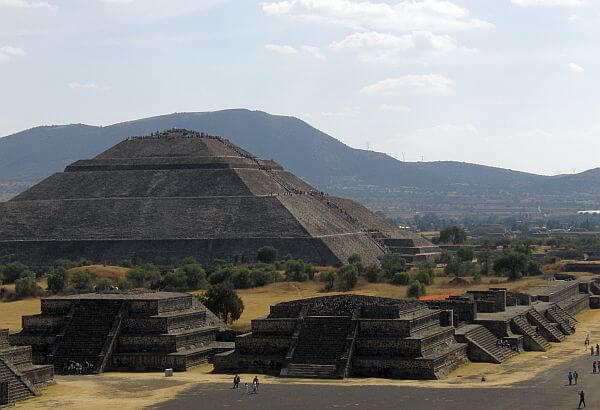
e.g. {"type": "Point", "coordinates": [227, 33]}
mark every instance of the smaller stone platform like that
{"type": "Point", "coordinates": [21, 376]}
{"type": "Point", "coordinates": [123, 331]}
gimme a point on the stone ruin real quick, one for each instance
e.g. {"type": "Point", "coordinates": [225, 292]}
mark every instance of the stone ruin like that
{"type": "Point", "coordinates": [347, 335]}
{"type": "Point", "coordinates": [179, 193]}
{"type": "Point", "coordinates": [19, 377]}
{"type": "Point", "coordinates": [125, 331]}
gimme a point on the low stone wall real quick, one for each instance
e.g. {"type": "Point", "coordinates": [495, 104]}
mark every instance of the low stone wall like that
{"type": "Point", "coordinates": [465, 311]}
{"type": "Point", "coordinates": [274, 326]}
{"type": "Point", "coordinates": [491, 301]}
{"type": "Point", "coordinates": [518, 299]}
{"type": "Point", "coordinates": [250, 344]}
{"type": "Point", "coordinates": [384, 327]}
{"type": "Point", "coordinates": [232, 362]}
{"type": "Point", "coordinates": [500, 328]}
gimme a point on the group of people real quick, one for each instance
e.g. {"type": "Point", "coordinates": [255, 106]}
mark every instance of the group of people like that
{"type": "Point", "coordinates": [73, 367]}
{"type": "Point", "coordinates": [254, 385]}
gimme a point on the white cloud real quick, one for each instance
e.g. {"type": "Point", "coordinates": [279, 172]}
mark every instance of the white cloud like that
{"type": "Point", "coordinates": [564, 3]}
{"type": "Point", "coordinates": [88, 86]}
{"type": "Point", "coordinates": [8, 52]}
{"type": "Point", "coordinates": [281, 49]}
{"type": "Point", "coordinates": [25, 4]}
{"type": "Point", "coordinates": [395, 108]}
{"type": "Point", "coordinates": [403, 16]}
{"type": "Point", "coordinates": [373, 46]}
{"type": "Point", "coordinates": [410, 84]}
{"type": "Point", "coordinates": [576, 68]}
{"type": "Point", "coordinates": [313, 51]}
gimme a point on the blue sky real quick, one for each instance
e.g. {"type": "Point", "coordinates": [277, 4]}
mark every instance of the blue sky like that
{"type": "Point", "coordinates": [510, 83]}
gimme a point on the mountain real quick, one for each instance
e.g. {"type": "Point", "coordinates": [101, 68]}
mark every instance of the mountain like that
{"type": "Point", "coordinates": [376, 179]}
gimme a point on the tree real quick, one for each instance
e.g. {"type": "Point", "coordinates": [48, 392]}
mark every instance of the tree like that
{"type": "Point", "coordinates": [373, 273]}
{"type": "Point", "coordinates": [347, 277]}
{"type": "Point", "coordinates": [485, 259]}
{"type": "Point", "coordinates": [241, 279]}
{"type": "Point", "coordinates": [356, 260]}
{"type": "Point", "coordinates": [15, 270]}
{"type": "Point", "coordinates": [416, 289]}
{"type": "Point", "coordinates": [26, 286]}
{"type": "Point", "coordinates": [57, 279]}
{"type": "Point", "coordinates": [175, 280]}
{"type": "Point", "coordinates": [267, 254]}
{"type": "Point", "coordinates": [453, 234]}
{"type": "Point", "coordinates": [392, 263]}
{"type": "Point", "coordinates": [512, 264]}
{"type": "Point", "coordinates": [424, 278]}
{"type": "Point", "coordinates": [195, 275]}
{"type": "Point", "coordinates": [465, 254]}
{"type": "Point", "coordinates": [224, 302]}
{"type": "Point", "coordinates": [328, 277]}
{"type": "Point", "coordinates": [81, 281]}
{"type": "Point", "coordinates": [401, 278]}
{"type": "Point", "coordinates": [145, 276]}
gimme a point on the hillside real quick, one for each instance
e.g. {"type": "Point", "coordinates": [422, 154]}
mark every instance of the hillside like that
{"type": "Point", "coordinates": [376, 179]}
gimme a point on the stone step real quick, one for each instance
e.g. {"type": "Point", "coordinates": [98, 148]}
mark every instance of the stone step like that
{"type": "Point", "coordinates": [527, 330]}
{"type": "Point", "coordinates": [486, 340]}
{"type": "Point", "coordinates": [312, 371]}
{"type": "Point", "coordinates": [551, 333]}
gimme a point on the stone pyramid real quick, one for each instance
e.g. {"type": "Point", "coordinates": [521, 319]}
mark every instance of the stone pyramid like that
{"type": "Point", "coordinates": [163, 197]}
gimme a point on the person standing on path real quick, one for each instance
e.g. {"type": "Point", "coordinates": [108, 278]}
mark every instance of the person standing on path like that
{"type": "Point", "coordinates": [594, 367]}
{"type": "Point", "coordinates": [255, 381]}
{"type": "Point", "coordinates": [570, 377]}
{"type": "Point", "coordinates": [581, 399]}
{"type": "Point", "coordinates": [586, 343]}
{"type": "Point", "coordinates": [592, 350]}
{"type": "Point", "coordinates": [575, 376]}
{"type": "Point", "coordinates": [597, 349]}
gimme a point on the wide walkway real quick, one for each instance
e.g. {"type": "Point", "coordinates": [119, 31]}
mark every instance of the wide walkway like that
{"type": "Point", "coordinates": [548, 390]}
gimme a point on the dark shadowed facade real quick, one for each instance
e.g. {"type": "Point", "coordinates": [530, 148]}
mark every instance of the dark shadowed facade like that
{"type": "Point", "coordinates": [178, 193]}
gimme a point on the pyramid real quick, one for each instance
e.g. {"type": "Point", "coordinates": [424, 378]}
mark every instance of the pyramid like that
{"type": "Point", "coordinates": [177, 193]}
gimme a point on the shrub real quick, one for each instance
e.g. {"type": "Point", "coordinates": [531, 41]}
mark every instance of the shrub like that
{"type": "Point", "coordinates": [453, 234]}
{"type": "Point", "coordinates": [190, 260]}
{"type": "Point", "coordinates": [401, 278]}
{"type": "Point", "coordinates": [124, 284]}
{"type": "Point", "coordinates": [195, 275]}
{"type": "Point", "coordinates": [465, 254]}
{"type": "Point", "coordinates": [145, 276]}
{"type": "Point", "coordinates": [392, 263]}
{"type": "Point", "coordinates": [416, 289]}
{"type": "Point", "coordinates": [65, 264]}
{"type": "Point", "coordinates": [328, 277]}
{"type": "Point", "coordinates": [298, 271]}
{"type": "Point", "coordinates": [175, 280]}
{"type": "Point", "coordinates": [26, 286]}
{"type": "Point", "coordinates": [477, 278]}
{"type": "Point", "coordinates": [444, 257]}
{"type": "Point", "coordinates": [424, 278]}
{"type": "Point", "coordinates": [356, 261]}
{"type": "Point", "coordinates": [104, 284]}
{"type": "Point", "coordinates": [15, 270]}
{"type": "Point", "coordinates": [373, 273]}
{"type": "Point", "coordinates": [82, 281]}
{"type": "Point", "coordinates": [241, 279]}
{"type": "Point", "coordinates": [512, 264]}
{"type": "Point", "coordinates": [224, 302]}
{"type": "Point", "coordinates": [267, 254]}
{"type": "Point", "coordinates": [221, 275]}
{"type": "Point", "coordinates": [57, 279]}
{"type": "Point", "coordinates": [263, 275]}
{"type": "Point", "coordinates": [85, 262]}
{"type": "Point", "coordinates": [347, 277]}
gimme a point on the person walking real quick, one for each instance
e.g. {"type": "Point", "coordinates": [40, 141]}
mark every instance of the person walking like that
{"type": "Point", "coordinates": [570, 377]}
{"type": "Point", "coordinates": [592, 350]}
{"type": "Point", "coordinates": [581, 399]}
{"type": "Point", "coordinates": [594, 367]}
{"type": "Point", "coordinates": [586, 343]}
{"type": "Point", "coordinates": [575, 376]}
{"type": "Point", "coordinates": [255, 381]}
{"type": "Point", "coordinates": [597, 349]}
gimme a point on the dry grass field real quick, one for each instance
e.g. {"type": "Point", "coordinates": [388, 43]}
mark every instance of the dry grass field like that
{"type": "Point", "coordinates": [104, 271]}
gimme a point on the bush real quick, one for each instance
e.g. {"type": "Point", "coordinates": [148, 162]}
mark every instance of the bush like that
{"type": "Point", "coordinates": [373, 273]}
{"type": "Point", "coordinates": [267, 254]}
{"type": "Point", "coordinates": [512, 264]}
{"type": "Point", "coordinates": [401, 278]}
{"type": "Point", "coordinates": [428, 268]}
{"type": "Point", "coordinates": [424, 278]}
{"type": "Point", "coordinates": [347, 277]}
{"type": "Point", "coordinates": [104, 284]}
{"type": "Point", "coordinates": [444, 257]}
{"type": "Point", "coordinates": [328, 277]}
{"type": "Point", "coordinates": [175, 280]}
{"type": "Point", "coordinates": [85, 262]}
{"type": "Point", "coordinates": [477, 278]}
{"type": "Point", "coordinates": [126, 264]}
{"type": "Point", "coordinates": [124, 284]}
{"type": "Point", "coordinates": [298, 271]}
{"type": "Point", "coordinates": [392, 263]}
{"type": "Point", "coordinates": [195, 275]}
{"type": "Point", "coordinates": [65, 264]}
{"type": "Point", "coordinates": [57, 279]}
{"type": "Point", "coordinates": [416, 289]}
{"type": "Point", "coordinates": [145, 276]}
{"type": "Point", "coordinates": [264, 275]}
{"type": "Point", "coordinates": [82, 281]}
{"type": "Point", "coordinates": [453, 234]}
{"type": "Point", "coordinates": [224, 302]}
{"type": "Point", "coordinates": [356, 260]}
{"type": "Point", "coordinates": [15, 270]}
{"type": "Point", "coordinates": [241, 279]}
{"type": "Point", "coordinates": [26, 286]}
{"type": "Point", "coordinates": [221, 275]}
{"type": "Point", "coordinates": [465, 254]}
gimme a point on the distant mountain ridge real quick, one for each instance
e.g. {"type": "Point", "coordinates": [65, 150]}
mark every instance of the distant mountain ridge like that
{"type": "Point", "coordinates": [373, 178]}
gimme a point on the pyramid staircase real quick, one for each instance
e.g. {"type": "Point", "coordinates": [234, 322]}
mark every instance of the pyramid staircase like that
{"type": "Point", "coordinates": [486, 343]}
{"type": "Point", "coordinates": [535, 341]}
{"type": "Point", "coordinates": [19, 388]}
{"type": "Point", "coordinates": [89, 336]}
{"type": "Point", "coordinates": [549, 330]}
{"type": "Point", "coordinates": [321, 345]}
{"type": "Point", "coordinates": [566, 323]}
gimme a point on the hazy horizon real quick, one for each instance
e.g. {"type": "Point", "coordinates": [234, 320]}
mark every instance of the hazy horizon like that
{"type": "Point", "coordinates": [509, 83]}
